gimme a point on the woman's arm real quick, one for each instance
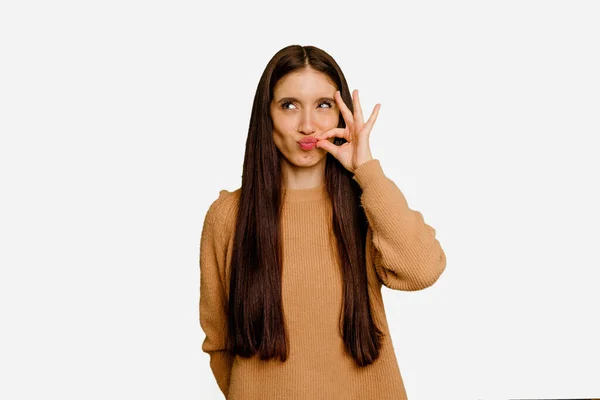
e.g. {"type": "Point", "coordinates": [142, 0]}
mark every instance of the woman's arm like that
{"type": "Point", "coordinates": [213, 302]}
{"type": "Point", "coordinates": [407, 255]}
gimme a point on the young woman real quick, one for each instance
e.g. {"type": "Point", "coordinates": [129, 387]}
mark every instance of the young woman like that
{"type": "Point", "coordinates": [292, 263]}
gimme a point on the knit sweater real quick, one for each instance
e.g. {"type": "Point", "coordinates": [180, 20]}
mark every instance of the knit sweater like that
{"type": "Point", "coordinates": [402, 253]}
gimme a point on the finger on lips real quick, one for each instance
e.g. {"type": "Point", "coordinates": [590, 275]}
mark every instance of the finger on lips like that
{"type": "Point", "coordinates": [337, 132]}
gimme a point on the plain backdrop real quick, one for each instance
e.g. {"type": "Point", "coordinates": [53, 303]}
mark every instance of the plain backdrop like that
{"type": "Point", "coordinates": [122, 120]}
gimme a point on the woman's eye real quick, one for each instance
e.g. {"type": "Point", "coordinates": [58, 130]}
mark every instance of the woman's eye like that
{"type": "Point", "coordinates": [287, 103]}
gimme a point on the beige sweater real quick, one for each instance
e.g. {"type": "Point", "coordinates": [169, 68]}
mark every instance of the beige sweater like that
{"type": "Point", "coordinates": [402, 254]}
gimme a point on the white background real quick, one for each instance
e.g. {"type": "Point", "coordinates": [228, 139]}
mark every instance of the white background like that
{"type": "Point", "coordinates": [122, 120]}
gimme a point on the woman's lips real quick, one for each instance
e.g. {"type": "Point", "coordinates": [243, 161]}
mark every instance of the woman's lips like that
{"type": "Point", "coordinates": [307, 143]}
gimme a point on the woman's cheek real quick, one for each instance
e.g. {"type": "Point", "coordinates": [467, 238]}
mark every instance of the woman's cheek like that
{"type": "Point", "coordinates": [330, 122]}
{"type": "Point", "coordinates": [281, 125]}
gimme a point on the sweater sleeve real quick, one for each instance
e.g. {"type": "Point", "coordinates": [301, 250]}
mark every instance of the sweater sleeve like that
{"type": "Point", "coordinates": [213, 302]}
{"type": "Point", "coordinates": [407, 255]}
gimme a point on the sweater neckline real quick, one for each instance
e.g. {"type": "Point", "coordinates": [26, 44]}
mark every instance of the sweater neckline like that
{"type": "Point", "coordinates": [316, 193]}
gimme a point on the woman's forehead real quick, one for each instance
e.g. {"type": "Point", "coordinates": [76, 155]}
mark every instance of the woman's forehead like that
{"type": "Point", "coordinates": [304, 83]}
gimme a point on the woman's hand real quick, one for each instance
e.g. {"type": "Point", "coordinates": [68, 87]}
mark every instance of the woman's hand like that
{"type": "Point", "coordinates": [356, 150]}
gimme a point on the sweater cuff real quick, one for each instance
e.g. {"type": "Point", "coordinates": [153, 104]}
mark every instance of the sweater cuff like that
{"type": "Point", "coordinates": [368, 172]}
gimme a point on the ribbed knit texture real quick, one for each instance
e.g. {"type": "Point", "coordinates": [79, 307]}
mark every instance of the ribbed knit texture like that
{"type": "Point", "coordinates": [402, 253]}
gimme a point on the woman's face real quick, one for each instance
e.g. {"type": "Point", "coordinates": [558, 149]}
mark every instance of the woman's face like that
{"type": "Point", "coordinates": [303, 106]}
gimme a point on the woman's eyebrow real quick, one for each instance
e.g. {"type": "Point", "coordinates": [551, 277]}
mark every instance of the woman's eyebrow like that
{"type": "Point", "coordinates": [319, 100]}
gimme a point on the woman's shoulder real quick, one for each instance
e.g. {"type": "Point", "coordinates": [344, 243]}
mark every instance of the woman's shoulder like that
{"type": "Point", "coordinates": [223, 208]}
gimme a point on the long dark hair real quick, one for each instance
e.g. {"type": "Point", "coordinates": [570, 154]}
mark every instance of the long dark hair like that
{"type": "Point", "coordinates": [255, 318]}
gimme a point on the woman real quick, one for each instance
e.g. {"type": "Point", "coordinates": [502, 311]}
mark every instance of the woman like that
{"type": "Point", "coordinates": [292, 262]}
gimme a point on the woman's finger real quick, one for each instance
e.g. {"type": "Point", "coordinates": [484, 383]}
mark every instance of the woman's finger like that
{"type": "Point", "coordinates": [359, 120]}
{"type": "Point", "coordinates": [334, 132]}
{"type": "Point", "coordinates": [329, 147]}
{"type": "Point", "coordinates": [369, 124]}
{"type": "Point", "coordinates": [346, 113]}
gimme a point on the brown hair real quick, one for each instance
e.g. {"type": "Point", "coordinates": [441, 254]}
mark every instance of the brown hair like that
{"type": "Point", "coordinates": [255, 317]}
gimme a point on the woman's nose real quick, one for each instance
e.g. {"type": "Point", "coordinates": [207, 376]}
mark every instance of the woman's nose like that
{"type": "Point", "coordinates": [307, 124]}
